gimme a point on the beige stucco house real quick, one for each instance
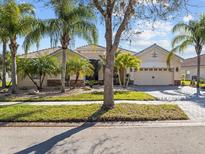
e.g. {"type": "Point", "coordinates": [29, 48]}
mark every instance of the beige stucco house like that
{"type": "Point", "coordinates": [153, 71]}
{"type": "Point", "coordinates": [189, 68]}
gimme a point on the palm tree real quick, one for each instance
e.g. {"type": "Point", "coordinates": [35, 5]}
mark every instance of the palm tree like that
{"type": "Point", "coordinates": [71, 20]}
{"type": "Point", "coordinates": [79, 67]}
{"type": "Point", "coordinates": [123, 62]}
{"type": "Point", "coordinates": [4, 40]}
{"type": "Point", "coordinates": [190, 34]}
{"type": "Point", "coordinates": [42, 67]}
{"type": "Point", "coordinates": [17, 20]}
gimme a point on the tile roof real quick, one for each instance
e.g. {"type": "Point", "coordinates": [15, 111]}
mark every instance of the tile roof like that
{"type": "Point", "coordinates": [95, 51]}
{"type": "Point", "coordinates": [193, 61]}
{"type": "Point", "coordinates": [46, 52]}
{"type": "Point", "coordinates": [39, 53]}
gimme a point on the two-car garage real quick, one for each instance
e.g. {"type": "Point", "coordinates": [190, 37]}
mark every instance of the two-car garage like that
{"type": "Point", "coordinates": [154, 76]}
{"type": "Point", "coordinates": [154, 69]}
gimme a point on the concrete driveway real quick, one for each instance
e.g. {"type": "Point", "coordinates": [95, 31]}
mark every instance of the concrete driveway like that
{"type": "Point", "coordinates": [170, 93]}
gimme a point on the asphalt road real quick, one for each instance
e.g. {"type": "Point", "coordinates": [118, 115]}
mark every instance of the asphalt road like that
{"type": "Point", "coordinates": [88, 140]}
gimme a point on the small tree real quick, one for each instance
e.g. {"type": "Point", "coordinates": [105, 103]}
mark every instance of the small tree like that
{"type": "Point", "coordinates": [79, 67]}
{"type": "Point", "coordinates": [123, 62]}
{"type": "Point", "coordinates": [38, 66]}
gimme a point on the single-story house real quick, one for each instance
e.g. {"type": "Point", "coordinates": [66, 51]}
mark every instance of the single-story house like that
{"type": "Point", "coordinates": [189, 68]}
{"type": "Point", "coordinates": [49, 80]}
{"type": "Point", "coordinates": [153, 71]}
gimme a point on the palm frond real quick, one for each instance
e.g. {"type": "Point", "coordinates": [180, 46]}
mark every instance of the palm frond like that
{"type": "Point", "coordinates": [184, 45]}
{"type": "Point", "coordinates": [27, 9]}
{"type": "Point", "coordinates": [180, 27]}
{"type": "Point", "coordinates": [169, 58]}
{"type": "Point", "coordinates": [180, 38]}
{"type": "Point", "coordinates": [86, 30]}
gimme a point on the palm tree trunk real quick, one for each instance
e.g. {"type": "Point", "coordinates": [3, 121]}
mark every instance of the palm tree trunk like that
{"type": "Point", "coordinates": [128, 80]}
{"type": "Point", "coordinates": [4, 65]}
{"type": "Point", "coordinates": [76, 80]}
{"type": "Point", "coordinates": [198, 74]}
{"type": "Point", "coordinates": [13, 47]}
{"type": "Point", "coordinates": [41, 82]}
{"type": "Point", "coordinates": [119, 77]}
{"type": "Point", "coordinates": [64, 43]}
{"type": "Point", "coordinates": [124, 77]}
{"type": "Point", "coordinates": [63, 70]}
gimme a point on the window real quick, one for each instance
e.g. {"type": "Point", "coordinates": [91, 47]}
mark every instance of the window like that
{"type": "Point", "coordinates": [155, 69]}
{"type": "Point", "coordinates": [141, 69]}
{"type": "Point", "coordinates": [146, 69]}
{"type": "Point", "coordinates": [170, 69]}
{"type": "Point", "coordinates": [177, 69]}
{"type": "Point", "coordinates": [150, 69]}
{"type": "Point", "coordinates": [154, 54]}
{"type": "Point", "coordinates": [160, 69]}
{"type": "Point", "coordinates": [165, 69]}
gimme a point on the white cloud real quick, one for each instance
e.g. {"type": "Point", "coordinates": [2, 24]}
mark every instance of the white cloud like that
{"type": "Point", "coordinates": [151, 33]}
{"type": "Point", "coordinates": [187, 18]}
{"type": "Point", "coordinates": [189, 52]}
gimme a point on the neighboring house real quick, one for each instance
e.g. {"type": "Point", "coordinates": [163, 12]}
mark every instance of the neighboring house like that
{"type": "Point", "coordinates": [49, 80]}
{"type": "Point", "coordinates": [154, 69]}
{"type": "Point", "coordinates": [189, 68]}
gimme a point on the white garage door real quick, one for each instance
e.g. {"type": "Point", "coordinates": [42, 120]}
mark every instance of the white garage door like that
{"type": "Point", "coordinates": [149, 76]}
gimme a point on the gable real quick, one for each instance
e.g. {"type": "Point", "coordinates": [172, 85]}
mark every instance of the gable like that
{"type": "Point", "coordinates": [91, 51]}
{"type": "Point", "coordinates": [156, 56]}
{"type": "Point", "coordinates": [96, 51]}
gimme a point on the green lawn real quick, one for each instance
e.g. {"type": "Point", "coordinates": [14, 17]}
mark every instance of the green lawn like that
{"type": "Point", "coordinates": [82, 113]}
{"type": "Point", "coordinates": [119, 95]}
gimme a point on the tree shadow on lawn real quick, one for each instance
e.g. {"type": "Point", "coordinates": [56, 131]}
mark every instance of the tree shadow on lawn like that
{"type": "Point", "coordinates": [47, 145]}
{"type": "Point", "coordinates": [16, 117]}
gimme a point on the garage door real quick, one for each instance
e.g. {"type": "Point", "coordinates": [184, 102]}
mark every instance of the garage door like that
{"type": "Point", "coordinates": [154, 76]}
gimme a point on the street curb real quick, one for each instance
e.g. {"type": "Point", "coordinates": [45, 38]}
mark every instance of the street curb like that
{"type": "Point", "coordinates": [174, 123]}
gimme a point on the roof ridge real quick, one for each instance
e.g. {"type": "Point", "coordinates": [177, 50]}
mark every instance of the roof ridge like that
{"type": "Point", "coordinates": [155, 44]}
{"type": "Point", "coordinates": [146, 48]}
{"type": "Point", "coordinates": [194, 57]}
{"type": "Point", "coordinates": [87, 45]}
{"type": "Point", "coordinates": [39, 51]}
{"type": "Point", "coordinates": [126, 49]}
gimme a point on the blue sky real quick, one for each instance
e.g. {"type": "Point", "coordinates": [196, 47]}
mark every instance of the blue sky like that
{"type": "Point", "coordinates": [158, 32]}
